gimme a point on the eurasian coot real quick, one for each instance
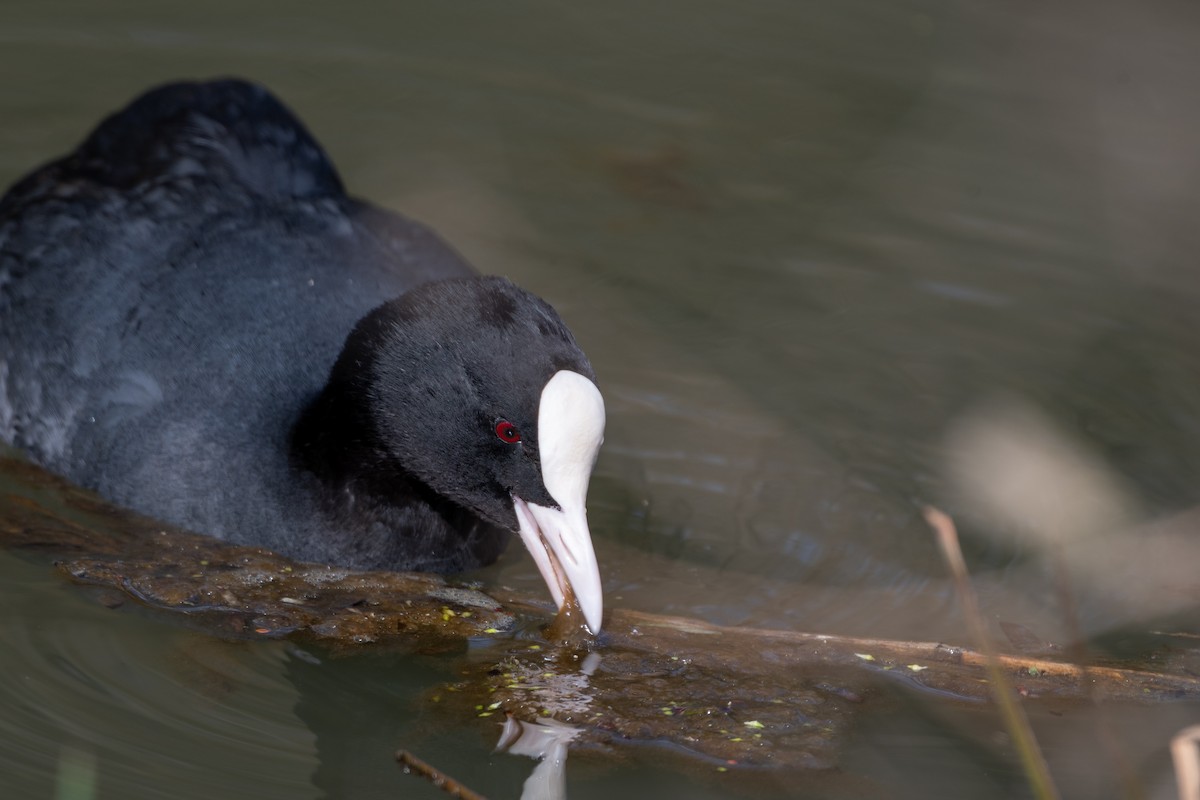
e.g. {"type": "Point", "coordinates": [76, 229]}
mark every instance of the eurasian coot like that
{"type": "Point", "coordinates": [197, 322]}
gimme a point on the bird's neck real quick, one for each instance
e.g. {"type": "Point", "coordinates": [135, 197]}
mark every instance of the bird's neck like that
{"type": "Point", "coordinates": [366, 492]}
{"type": "Point", "coordinates": [334, 441]}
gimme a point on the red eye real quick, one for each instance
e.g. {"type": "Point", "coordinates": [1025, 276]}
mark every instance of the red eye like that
{"type": "Point", "coordinates": [507, 432]}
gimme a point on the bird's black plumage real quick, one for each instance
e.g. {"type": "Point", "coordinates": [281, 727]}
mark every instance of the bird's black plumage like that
{"type": "Point", "coordinates": [197, 322]}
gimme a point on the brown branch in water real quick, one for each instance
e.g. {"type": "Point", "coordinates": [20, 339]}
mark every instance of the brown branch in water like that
{"type": "Point", "coordinates": [435, 776]}
{"type": "Point", "coordinates": [946, 669]}
{"type": "Point", "coordinates": [1014, 718]}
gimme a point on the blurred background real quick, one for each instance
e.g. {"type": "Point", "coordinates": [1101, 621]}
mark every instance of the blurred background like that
{"type": "Point", "coordinates": [828, 260]}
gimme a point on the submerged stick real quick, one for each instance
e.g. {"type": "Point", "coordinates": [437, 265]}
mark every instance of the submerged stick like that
{"type": "Point", "coordinates": [435, 776]}
{"type": "Point", "coordinates": [1014, 718]}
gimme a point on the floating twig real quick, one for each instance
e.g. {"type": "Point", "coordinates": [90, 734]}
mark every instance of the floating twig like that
{"type": "Point", "coordinates": [435, 776]}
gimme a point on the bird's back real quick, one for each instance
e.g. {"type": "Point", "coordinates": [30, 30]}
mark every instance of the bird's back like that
{"type": "Point", "coordinates": [175, 291]}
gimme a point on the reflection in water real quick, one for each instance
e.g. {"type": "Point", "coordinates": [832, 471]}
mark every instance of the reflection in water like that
{"type": "Point", "coordinates": [546, 740]}
{"type": "Point", "coordinates": [76, 779]}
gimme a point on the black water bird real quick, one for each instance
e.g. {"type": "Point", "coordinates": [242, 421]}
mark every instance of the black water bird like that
{"type": "Point", "coordinates": [199, 323]}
